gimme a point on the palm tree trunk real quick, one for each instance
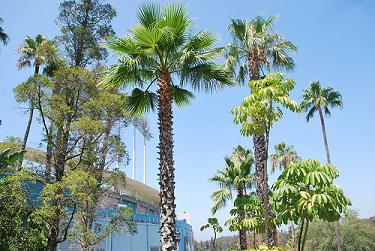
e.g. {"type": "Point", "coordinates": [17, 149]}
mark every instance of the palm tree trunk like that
{"type": "Point", "coordinates": [166, 169]}
{"type": "Point", "coordinates": [262, 189]}
{"type": "Point", "coordinates": [241, 216]}
{"type": "Point", "coordinates": [261, 156]}
{"type": "Point", "coordinates": [328, 156]}
{"type": "Point", "coordinates": [31, 115]}
{"type": "Point", "coordinates": [29, 122]}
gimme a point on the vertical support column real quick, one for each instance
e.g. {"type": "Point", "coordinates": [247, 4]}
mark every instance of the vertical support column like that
{"type": "Point", "coordinates": [134, 153]}
{"type": "Point", "coordinates": [144, 160]}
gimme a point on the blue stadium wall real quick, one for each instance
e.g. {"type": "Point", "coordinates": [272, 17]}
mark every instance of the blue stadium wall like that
{"type": "Point", "coordinates": [146, 239]}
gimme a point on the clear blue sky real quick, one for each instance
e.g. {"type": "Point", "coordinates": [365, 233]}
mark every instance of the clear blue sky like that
{"type": "Point", "coordinates": [335, 40]}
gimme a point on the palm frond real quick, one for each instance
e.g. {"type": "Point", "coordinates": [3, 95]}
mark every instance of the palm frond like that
{"type": "Point", "coordinates": [148, 13]}
{"type": "Point", "coordinates": [182, 97]}
{"type": "Point", "coordinates": [140, 102]}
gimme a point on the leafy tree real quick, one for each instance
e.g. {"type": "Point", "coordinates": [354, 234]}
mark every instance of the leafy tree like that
{"type": "Point", "coordinates": [255, 49]}
{"type": "Point", "coordinates": [87, 231]}
{"type": "Point", "coordinates": [253, 216]}
{"type": "Point", "coordinates": [237, 176]}
{"type": "Point", "coordinates": [84, 24]}
{"type": "Point", "coordinates": [355, 234]}
{"type": "Point", "coordinates": [18, 231]}
{"type": "Point", "coordinates": [318, 99]}
{"type": "Point", "coordinates": [214, 224]}
{"type": "Point", "coordinates": [305, 192]}
{"type": "Point", "coordinates": [37, 51]}
{"type": "Point", "coordinates": [283, 156]}
{"type": "Point", "coordinates": [3, 36]}
{"type": "Point", "coordinates": [162, 49]}
{"type": "Point", "coordinates": [258, 113]}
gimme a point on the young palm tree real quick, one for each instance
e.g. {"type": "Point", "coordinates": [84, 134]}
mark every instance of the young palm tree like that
{"type": "Point", "coordinates": [162, 50]}
{"type": "Point", "coordinates": [32, 52]}
{"type": "Point", "coordinates": [237, 177]}
{"type": "Point", "coordinates": [3, 36]}
{"type": "Point", "coordinates": [283, 156]}
{"type": "Point", "coordinates": [318, 99]}
{"type": "Point", "coordinates": [255, 49]}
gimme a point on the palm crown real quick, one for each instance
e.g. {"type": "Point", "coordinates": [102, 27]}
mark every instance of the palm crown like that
{"type": "Point", "coordinates": [256, 48]}
{"type": "Point", "coordinates": [283, 156]}
{"type": "Point", "coordinates": [162, 46]}
{"type": "Point", "coordinates": [236, 176]}
{"type": "Point", "coordinates": [33, 49]}
{"type": "Point", "coordinates": [317, 98]}
{"type": "Point", "coordinates": [3, 36]}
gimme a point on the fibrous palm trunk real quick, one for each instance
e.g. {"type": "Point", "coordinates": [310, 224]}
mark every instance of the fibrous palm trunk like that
{"type": "Point", "coordinates": [261, 156]}
{"type": "Point", "coordinates": [328, 156]}
{"type": "Point", "coordinates": [262, 189]}
{"type": "Point", "coordinates": [166, 169]}
{"type": "Point", "coordinates": [241, 216]}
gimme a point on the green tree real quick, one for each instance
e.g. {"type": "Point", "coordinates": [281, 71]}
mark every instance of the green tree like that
{"type": "Point", "coordinates": [18, 231]}
{"type": "Point", "coordinates": [318, 99]}
{"type": "Point", "coordinates": [256, 49]}
{"type": "Point", "coordinates": [3, 36]}
{"type": "Point", "coordinates": [258, 113]}
{"type": "Point", "coordinates": [356, 234]}
{"type": "Point", "coordinates": [305, 192]}
{"type": "Point", "coordinates": [34, 51]}
{"type": "Point", "coordinates": [253, 215]}
{"type": "Point", "coordinates": [84, 24]}
{"type": "Point", "coordinates": [162, 49]}
{"type": "Point", "coordinates": [237, 176]}
{"type": "Point", "coordinates": [283, 156]}
{"type": "Point", "coordinates": [214, 224]}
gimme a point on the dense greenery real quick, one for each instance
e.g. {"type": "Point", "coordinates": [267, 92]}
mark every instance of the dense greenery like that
{"type": "Point", "coordinates": [56, 193]}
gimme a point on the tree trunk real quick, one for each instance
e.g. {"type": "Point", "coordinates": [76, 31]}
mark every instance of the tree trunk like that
{"type": "Point", "coordinates": [262, 189]}
{"type": "Point", "coordinates": [29, 122]}
{"type": "Point", "coordinates": [241, 216]}
{"type": "Point", "coordinates": [304, 236]}
{"type": "Point", "coordinates": [49, 154]}
{"type": "Point", "coordinates": [261, 157]}
{"type": "Point", "coordinates": [300, 234]}
{"type": "Point", "coordinates": [328, 156]}
{"type": "Point", "coordinates": [166, 169]}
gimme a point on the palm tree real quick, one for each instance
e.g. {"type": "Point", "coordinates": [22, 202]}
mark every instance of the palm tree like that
{"type": "Point", "coordinates": [3, 36]}
{"type": "Point", "coordinates": [283, 156]}
{"type": "Point", "coordinates": [162, 49]}
{"type": "Point", "coordinates": [255, 49]}
{"type": "Point", "coordinates": [237, 177]}
{"type": "Point", "coordinates": [32, 52]}
{"type": "Point", "coordinates": [318, 99]}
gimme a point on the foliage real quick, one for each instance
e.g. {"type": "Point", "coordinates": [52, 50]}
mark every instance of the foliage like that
{"type": "Point", "coordinates": [4, 38]}
{"type": "Point", "coordinates": [256, 48]}
{"type": "Point", "coordinates": [236, 176]}
{"type": "Point", "coordinates": [214, 224]}
{"type": "Point", "coordinates": [259, 111]}
{"type": "Point", "coordinates": [84, 24]}
{"type": "Point", "coordinates": [19, 230]}
{"type": "Point", "coordinates": [356, 234]}
{"type": "Point", "coordinates": [38, 49]}
{"type": "Point", "coordinates": [8, 159]}
{"type": "Point", "coordinates": [317, 98]}
{"type": "Point", "coordinates": [253, 215]}
{"type": "Point", "coordinates": [283, 156]}
{"type": "Point", "coordinates": [163, 43]}
{"type": "Point", "coordinates": [305, 192]}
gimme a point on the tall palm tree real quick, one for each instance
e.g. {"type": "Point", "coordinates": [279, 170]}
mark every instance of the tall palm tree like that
{"type": "Point", "coordinates": [318, 99]}
{"type": "Point", "coordinates": [32, 52]}
{"type": "Point", "coordinates": [3, 36]}
{"type": "Point", "coordinates": [237, 177]}
{"type": "Point", "coordinates": [162, 50]}
{"type": "Point", "coordinates": [256, 49]}
{"type": "Point", "coordinates": [283, 156]}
